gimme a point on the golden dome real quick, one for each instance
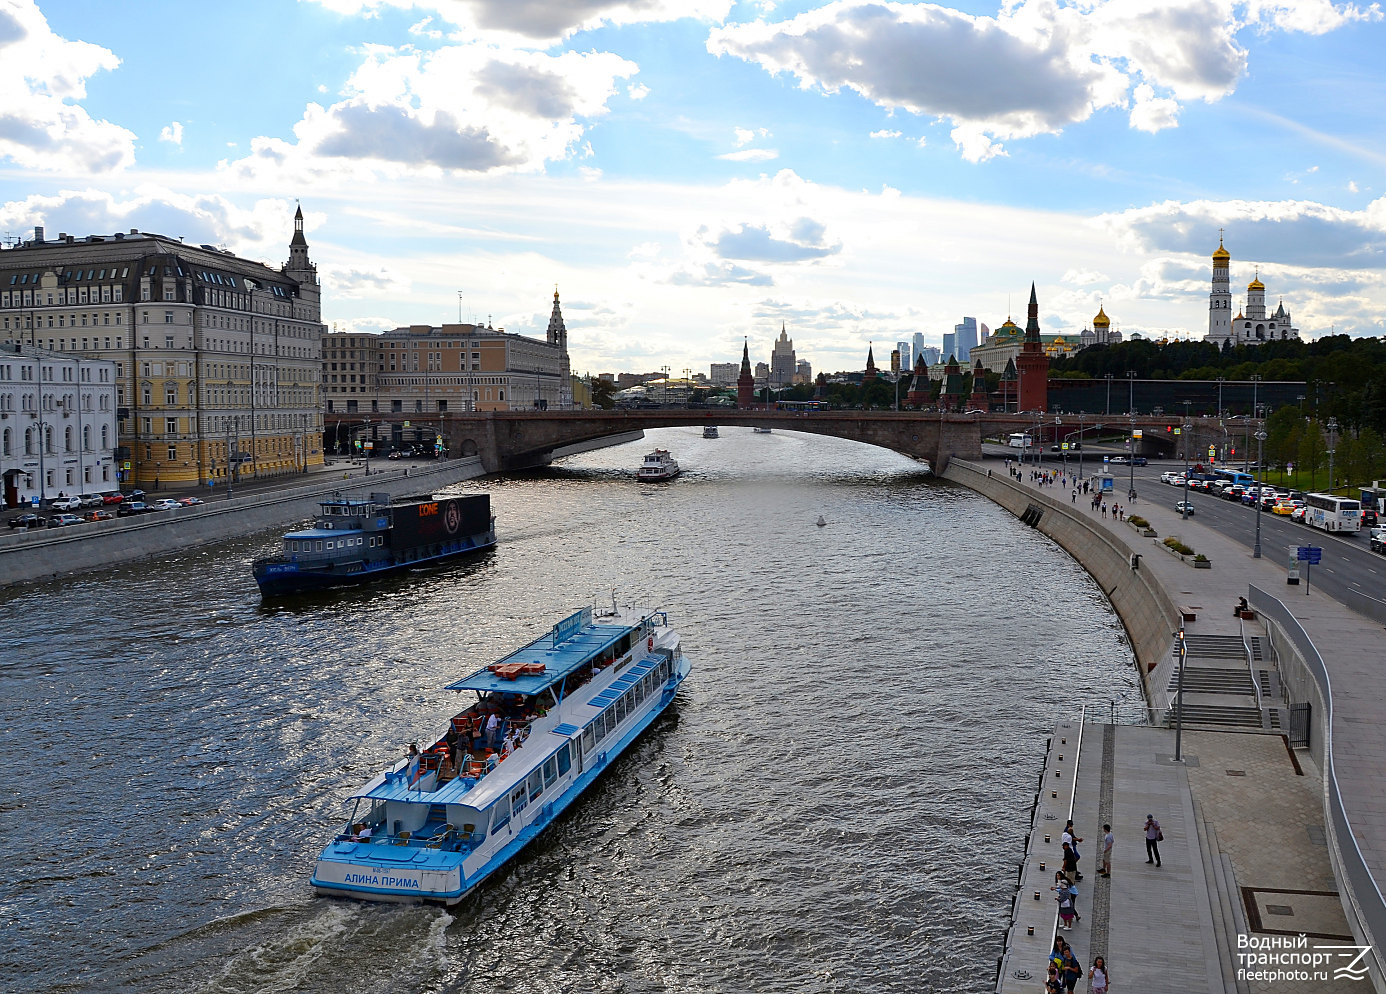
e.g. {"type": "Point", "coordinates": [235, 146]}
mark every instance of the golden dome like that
{"type": "Point", "coordinates": [1101, 321]}
{"type": "Point", "coordinates": [1256, 284]}
{"type": "Point", "coordinates": [1221, 254]}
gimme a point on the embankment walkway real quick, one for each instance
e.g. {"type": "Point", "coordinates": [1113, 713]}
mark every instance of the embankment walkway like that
{"type": "Point", "coordinates": [1340, 800]}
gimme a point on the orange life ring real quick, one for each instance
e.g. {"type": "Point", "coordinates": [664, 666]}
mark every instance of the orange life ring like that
{"type": "Point", "coordinates": [649, 644]}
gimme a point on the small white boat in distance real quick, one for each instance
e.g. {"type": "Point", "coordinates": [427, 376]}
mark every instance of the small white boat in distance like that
{"type": "Point", "coordinates": [710, 431]}
{"type": "Point", "coordinates": [760, 431]}
{"type": "Point", "coordinates": [658, 465]}
{"type": "Point", "coordinates": [822, 521]}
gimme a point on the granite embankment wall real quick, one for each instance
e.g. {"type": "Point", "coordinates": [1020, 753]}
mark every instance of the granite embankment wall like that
{"type": "Point", "coordinates": [33, 555]}
{"type": "Point", "coordinates": [1144, 606]}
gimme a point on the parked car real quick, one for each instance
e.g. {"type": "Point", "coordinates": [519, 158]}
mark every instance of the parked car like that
{"type": "Point", "coordinates": [100, 514]}
{"type": "Point", "coordinates": [133, 494]}
{"type": "Point", "coordinates": [190, 501]}
{"type": "Point", "coordinates": [62, 520]}
{"type": "Point", "coordinates": [1120, 460]}
{"type": "Point", "coordinates": [114, 498]}
{"type": "Point", "coordinates": [132, 507]}
{"type": "Point", "coordinates": [91, 500]}
{"type": "Point", "coordinates": [1184, 508]}
{"type": "Point", "coordinates": [29, 521]}
{"type": "Point", "coordinates": [165, 504]}
{"type": "Point", "coordinates": [66, 503]}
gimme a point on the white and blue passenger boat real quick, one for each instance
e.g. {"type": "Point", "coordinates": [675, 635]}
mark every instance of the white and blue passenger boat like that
{"type": "Point", "coordinates": [436, 824]}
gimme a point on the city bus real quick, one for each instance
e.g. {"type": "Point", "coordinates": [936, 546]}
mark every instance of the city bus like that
{"type": "Point", "coordinates": [801, 405]}
{"type": "Point", "coordinates": [1333, 514]}
{"type": "Point", "coordinates": [1019, 440]}
{"type": "Point", "coordinates": [1232, 476]}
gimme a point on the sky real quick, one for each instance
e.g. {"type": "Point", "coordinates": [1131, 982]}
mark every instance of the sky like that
{"type": "Point", "coordinates": [689, 173]}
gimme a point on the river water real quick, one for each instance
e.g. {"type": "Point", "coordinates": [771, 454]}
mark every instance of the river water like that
{"type": "Point", "coordinates": [835, 802]}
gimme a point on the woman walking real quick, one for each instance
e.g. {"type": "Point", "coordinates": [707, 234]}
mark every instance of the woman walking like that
{"type": "Point", "coordinates": [1098, 978]}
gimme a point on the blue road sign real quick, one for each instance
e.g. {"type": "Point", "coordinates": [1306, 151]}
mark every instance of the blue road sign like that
{"type": "Point", "coordinates": [1311, 554]}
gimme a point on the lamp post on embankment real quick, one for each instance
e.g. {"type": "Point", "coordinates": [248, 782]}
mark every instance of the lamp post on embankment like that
{"type": "Point", "coordinates": [1260, 441]}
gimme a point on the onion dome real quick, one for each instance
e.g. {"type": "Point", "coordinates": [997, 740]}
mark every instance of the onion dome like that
{"type": "Point", "coordinates": [1221, 254]}
{"type": "Point", "coordinates": [1256, 284]}
{"type": "Point", "coordinates": [1101, 321]}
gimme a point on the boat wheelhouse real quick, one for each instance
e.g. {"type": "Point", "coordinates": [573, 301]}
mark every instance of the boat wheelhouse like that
{"type": "Point", "coordinates": [546, 721]}
{"type": "Point", "coordinates": [659, 465]}
{"type": "Point", "coordinates": [355, 539]}
{"type": "Point", "coordinates": [710, 431]}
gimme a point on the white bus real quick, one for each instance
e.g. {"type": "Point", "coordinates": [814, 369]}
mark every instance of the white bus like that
{"type": "Point", "coordinates": [1019, 440]}
{"type": "Point", "coordinates": [1333, 514]}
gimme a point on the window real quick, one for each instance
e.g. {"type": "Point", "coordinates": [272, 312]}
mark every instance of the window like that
{"type": "Point", "coordinates": [518, 799]}
{"type": "Point", "coordinates": [598, 727]}
{"type": "Point", "coordinates": [565, 760]}
{"type": "Point", "coordinates": [172, 453]}
{"type": "Point", "coordinates": [170, 393]}
{"type": "Point", "coordinates": [550, 770]}
{"type": "Point", "coordinates": [168, 317]}
{"type": "Point", "coordinates": [535, 784]}
{"type": "Point", "coordinates": [170, 426]}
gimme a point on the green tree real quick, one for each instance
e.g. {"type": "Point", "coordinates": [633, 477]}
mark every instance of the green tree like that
{"type": "Point", "coordinates": [1310, 458]}
{"type": "Point", "coordinates": [603, 392]}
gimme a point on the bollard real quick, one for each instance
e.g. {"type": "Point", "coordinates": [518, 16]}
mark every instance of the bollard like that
{"type": "Point", "coordinates": [1063, 741]}
{"type": "Point", "coordinates": [1058, 773]}
{"type": "Point", "coordinates": [1046, 836]}
{"type": "Point", "coordinates": [1054, 793]}
{"type": "Point", "coordinates": [1041, 865]}
{"type": "Point", "coordinates": [1061, 757]}
{"type": "Point", "coordinates": [1036, 895]}
{"type": "Point", "coordinates": [1029, 930]}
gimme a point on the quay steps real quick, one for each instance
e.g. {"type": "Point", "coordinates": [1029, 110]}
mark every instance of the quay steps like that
{"type": "Point", "coordinates": [1219, 716]}
{"type": "Point", "coordinates": [1209, 680]}
{"type": "Point", "coordinates": [1213, 647]}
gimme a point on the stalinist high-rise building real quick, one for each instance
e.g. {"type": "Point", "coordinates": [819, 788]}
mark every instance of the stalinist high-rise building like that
{"type": "Point", "coordinates": [782, 363]}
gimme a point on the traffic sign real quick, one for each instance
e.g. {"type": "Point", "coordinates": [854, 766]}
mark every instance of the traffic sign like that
{"type": "Point", "coordinates": [1106, 459]}
{"type": "Point", "coordinates": [1312, 554]}
{"type": "Point", "coordinates": [1138, 433]}
{"type": "Point", "coordinates": [1212, 451]}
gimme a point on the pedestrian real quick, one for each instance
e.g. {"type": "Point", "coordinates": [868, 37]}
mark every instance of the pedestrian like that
{"type": "Point", "coordinates": [1075, 495]}
{"type": "Point", "coordinates": [493, 732]}
{"type": "Point", "coordinates": [1064, 896]}
{"type": "Point", "coordinates": [1070, 863]}
{"type": "Point", "coordinates": [1073, 970]}
{"type": "Point", "coordinates": [1098, 977]}
{"type": "Point", "coordinates": [1071, 837]}
{"type": "Point", "coordinates": [1153, 838]}
{"type": "Point", "coordinates": [1107, 842]}
{"type": "Point", "coordinates": [1053, 985]}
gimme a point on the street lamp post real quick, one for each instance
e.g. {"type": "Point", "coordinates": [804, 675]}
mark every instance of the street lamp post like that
{"type": "Point", "coordinates": [1109, 395]}
{"type": "Point", "coordinates": [1260, 441]}
{"type": "Point", "coordinates": [1131, 379]}
{"type": "Point", "coordinates": [1179, 700]}
{"type": "Point", "coordinates": [1332, 445]}
{"type": "Point", "coordinates": [1131, 459]}
{"type": "Point", "coordinates": [1186, 428]}
{"type": "Point", "coordinates": [1080, 446]}
{"type": "Point", "coordinates": [1220, 398]}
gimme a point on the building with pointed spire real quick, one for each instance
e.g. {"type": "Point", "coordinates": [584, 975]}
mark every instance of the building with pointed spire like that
{"type": "Point", "coordinates": [1032, 364]}
{"type": "Point", "coordinates": [1251, 326]}
{"type": "Point", "coordinates": [218, 358]}
{"type": "Point", "coordinates": [558, 337]}
{"type": "Point", "coordinates": [979, 401]}
{"type": "Point", "coordinates": [954, 388]}
{"type": "Point", "coordinates": [921, 389]}
{"type": "Point", "coordinates": [746, 382]}
{"type": "Point", "coordinates": [782, 361]}
{"type": "Point", "coordinates": [870, 375]}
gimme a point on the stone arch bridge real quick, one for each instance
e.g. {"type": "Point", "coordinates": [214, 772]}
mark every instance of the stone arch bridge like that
{"type": "Point", "coordinates": [513, 440]}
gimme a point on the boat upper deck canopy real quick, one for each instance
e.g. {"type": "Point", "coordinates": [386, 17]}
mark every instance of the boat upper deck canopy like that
{"type": "Point", "coordinates": [564, 650]}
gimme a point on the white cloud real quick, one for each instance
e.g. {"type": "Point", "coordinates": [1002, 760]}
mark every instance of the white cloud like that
{"type": "Point", "coordinates": [261, 231]}
{"type": "Point", "coordinates": [885, 134]}
{"type": "Point", "coordinates": [751, 155]}
{"type": "Point", "coordinates": [172, 133]}
{"type": "Point", "coordinates": [355, 284]}
{"type": "Point", "coordinates": [465, 109]}
{"type": "Point", "coordinates": [1309, 16]}
{"type": "Point", "coordinates": [637, 91]}
{"type": "Point", "coordinates": [42, 125]}
{"type": "Point", "coordinates": [1082, 277]}
{"type": "Point", "coordinates": [1151, 113]}
{"type": "Point", "coordinates": [1035, 68]}
{"type": "Point", "coordinates": [1352, 186]}
{"type": "Point", "coordinates": [540, 21]}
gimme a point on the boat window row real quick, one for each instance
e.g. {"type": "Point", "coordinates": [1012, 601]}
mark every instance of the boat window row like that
{"type": "Point", "coordinates": [605, 723]}
{"type": "Point", "coordinates": [305, 545]}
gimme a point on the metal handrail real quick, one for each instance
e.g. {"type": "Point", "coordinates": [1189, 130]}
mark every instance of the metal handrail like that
{"type": "Point", "coordinates": [1366, 894]}
{"type": "Point", "coordinates": [1250, 664]}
